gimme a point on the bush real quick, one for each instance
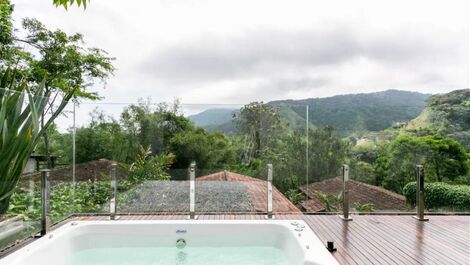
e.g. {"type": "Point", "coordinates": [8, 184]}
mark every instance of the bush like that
{"type": "Point", "coordinates": [88, 197]}
{"type": "Point", "coordinates": [147, 167]}
{"type": "Point", "coordinates": [439, 194]}
{"type": "Point", "coordinates": [294, 196]}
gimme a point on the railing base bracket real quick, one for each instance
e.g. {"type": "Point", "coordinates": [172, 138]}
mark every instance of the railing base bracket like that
{"type": "Point", "coordinates": [112, 218]}
{"type": "Point", "coordinates": [345, 218]}
{"type": "Point", "coordinates": [195, 217]}
{"type": "Point", "coordinates": [421, 219]}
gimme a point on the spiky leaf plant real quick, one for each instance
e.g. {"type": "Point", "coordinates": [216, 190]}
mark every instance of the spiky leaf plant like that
{"type": "Point", "coordinates": [20, 114]}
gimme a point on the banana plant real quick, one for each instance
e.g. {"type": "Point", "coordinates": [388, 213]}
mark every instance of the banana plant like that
{"type": "Point", "coordinates": [20, 130]}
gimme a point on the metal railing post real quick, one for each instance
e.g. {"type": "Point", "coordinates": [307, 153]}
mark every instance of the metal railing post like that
{"type": "Point", "coordinates": [420, 194]}
{"type": "Point", "coordinates": [269, 214]}
{"type": "Point", "coordinates": [45, 174]}
{"type": "Point", "coordinates": [192, 191]}
{"type": "Point", "coordinates": [345, 173]}
{"type": "Point", "coordinates": [113, 201]}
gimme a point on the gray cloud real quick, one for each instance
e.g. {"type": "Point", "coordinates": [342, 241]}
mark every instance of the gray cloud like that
{"type": "Point", "coordinates": [212, 59]}
{"type": "Point", "coordinates": [265, 52]}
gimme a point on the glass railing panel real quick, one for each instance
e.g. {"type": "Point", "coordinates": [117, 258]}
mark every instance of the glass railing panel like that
{"type": "Point", "coordinates": [162, 193]}
{"type": "Point", "coordinates": [230, 191]}
{"type": "Point", "coordinates": [23, 217]}
{"type": "Point", "coordinates": [20, 206]}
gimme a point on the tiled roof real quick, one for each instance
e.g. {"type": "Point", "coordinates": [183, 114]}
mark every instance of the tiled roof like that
{"type": "Point", "coordinates": [258, 191]}
{"type": "Point", "coordinates": [382, 199]}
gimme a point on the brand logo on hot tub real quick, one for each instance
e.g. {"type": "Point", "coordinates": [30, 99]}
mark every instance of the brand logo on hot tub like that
{"type": "Point", "coordinates": [181, 231]}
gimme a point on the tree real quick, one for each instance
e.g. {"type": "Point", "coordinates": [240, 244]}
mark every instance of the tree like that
{"type": "Point", "coordinates": [43, 83]}
{"type": "Point", "coordinates": [67, 3]}
{"type": "Point", "coordinates": [444, 159]}
{"type": "Point", "coordinates": [64, 64]}
{"type": "Point", "coordinates": [260, 123]}
{"type": "Point", "coordinates": [6, 27]}
{"type": "Point", "coordinates": [154, 127]}
{"type": "Point", "coordinates": [327, 152]}
{"type": "Point", "coordinates": [209, 150]}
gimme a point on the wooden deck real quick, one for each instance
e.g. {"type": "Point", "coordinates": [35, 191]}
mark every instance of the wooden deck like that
{"type": "Point", "coordinates": [374, 239]}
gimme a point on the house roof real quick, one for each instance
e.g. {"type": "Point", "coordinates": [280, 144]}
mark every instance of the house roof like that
{"type": "Point", "coordinates": [94, 170]}
{"type": "Point", "coordinates": [382, 199]}
{"type": "Point", "coordinates": [257, 189]}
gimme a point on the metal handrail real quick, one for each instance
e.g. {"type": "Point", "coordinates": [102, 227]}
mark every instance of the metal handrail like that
{"type": "Point", "coordinates": [269, 214]}
{"type": "Point", "coordinates": [420, 194]}
{"type": "Point", "coordinates": [113, 201]}
{"type": "Point", "coordinates": [192, 191]}
{"type": "Point", "coordinates": [345, 193]}
{"type": "Point", "coordinates": [45, 174]}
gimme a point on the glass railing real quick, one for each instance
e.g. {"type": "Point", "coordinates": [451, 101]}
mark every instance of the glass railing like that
{"type": "Point", "coordinates": [232, 147]}
{"type": "Point", "coordinates": [20, 183]}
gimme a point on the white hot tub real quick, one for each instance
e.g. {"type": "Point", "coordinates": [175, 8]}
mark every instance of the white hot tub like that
{"type": "Point", "coordinates": [195, 242]}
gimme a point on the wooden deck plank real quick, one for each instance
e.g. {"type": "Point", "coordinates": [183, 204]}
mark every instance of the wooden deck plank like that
{"type": "Point", "coordinates": [374, 239]}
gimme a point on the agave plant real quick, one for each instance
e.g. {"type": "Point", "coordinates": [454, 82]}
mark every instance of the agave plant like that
{"type": "Point", "coordinates": [20, 114]}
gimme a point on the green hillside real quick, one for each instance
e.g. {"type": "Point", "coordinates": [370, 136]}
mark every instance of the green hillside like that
{"type": "Point", "coordinates": [215, 116]}
{"type": "Point", "coordinates": [357, 113]}
{"type": "Point", "coordinates": [449, 114]}
{"type": "Point", "coordinates": [349, 114]}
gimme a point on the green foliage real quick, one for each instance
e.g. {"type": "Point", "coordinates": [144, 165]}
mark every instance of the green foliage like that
{"type": "Point", "coordinates": [209, 150]}
{"type": "Point", "coordinates": [147, 167]}
{"type": "Point", "coordinates": [448, 114]}
{"type": "Point", "coordinates": [438, 195]}
{"type": "Point", "coordinates": [261, 124]}
{"type": "Point", "coordinates": [444, 159]}
{"type": "Point", "coordinates": [364, 207]}
{"type": "Point", "coordinates": [353, 114]}
{"type": "Point", "coordinates": [332, 203]}
{"type": "Point", "coordinates": [59, 68]}
{"type": "Point", "coordinates": [86, 197]}
{"type": "Point", "coordinates": [6, 28]}
{"type": "Point", "coordinates": [67, 3]}
{"type": "Point", "coordinates": [363, 172]}
{"type": "Point", "coordinates": [20, 129]}
{"type": "Point", "coordinates": [64, 62]}
{"type": "Point", "coordinates": [327, 152]}
{"type": "Point", "coordinates": [65, 199]}
{"type": "Point", "coordinates": [294, 196]}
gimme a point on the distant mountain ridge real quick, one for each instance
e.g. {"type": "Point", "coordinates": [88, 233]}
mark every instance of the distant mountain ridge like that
{"type": "Point", "coordinates": [215, 116]}
{"type": "Point", "coordinates": [349, 114]}
{"type": "Point", "coordinates": [353, 113]}
{"type": "Point", "coordinates": [449, 114]}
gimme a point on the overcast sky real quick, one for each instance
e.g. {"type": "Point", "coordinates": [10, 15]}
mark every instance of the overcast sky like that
{"type": "Point", "coordinates": [237, 51]}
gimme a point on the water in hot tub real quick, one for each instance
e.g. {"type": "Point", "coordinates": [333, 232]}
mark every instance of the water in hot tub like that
{"type": "Point", "coordinates": [173, 256]}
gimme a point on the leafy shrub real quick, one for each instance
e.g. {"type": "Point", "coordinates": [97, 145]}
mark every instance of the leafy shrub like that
{"type": "Point", "coordinates": [332, 203]}
{"type": "Point", "coordinates": [294, 196]}
{"type": "Point", "coordinates": [364, 207]}
{"type": "Point", "coordinates": [439, 194]}
{"type": "Point", "coordinates": [147, 167]}
{"type": "Point", "coordinates": [87, 197]}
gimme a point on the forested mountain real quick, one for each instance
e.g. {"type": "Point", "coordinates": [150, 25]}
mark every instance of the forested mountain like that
{"type": "Point", "coordinates": [357, 113]}
{"type": "Point", "coordinates": [215, 116]}
{"type": "Point", "coordinates": [349, 114]}
{"type": "Point", "coordinates": [449, 114]}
